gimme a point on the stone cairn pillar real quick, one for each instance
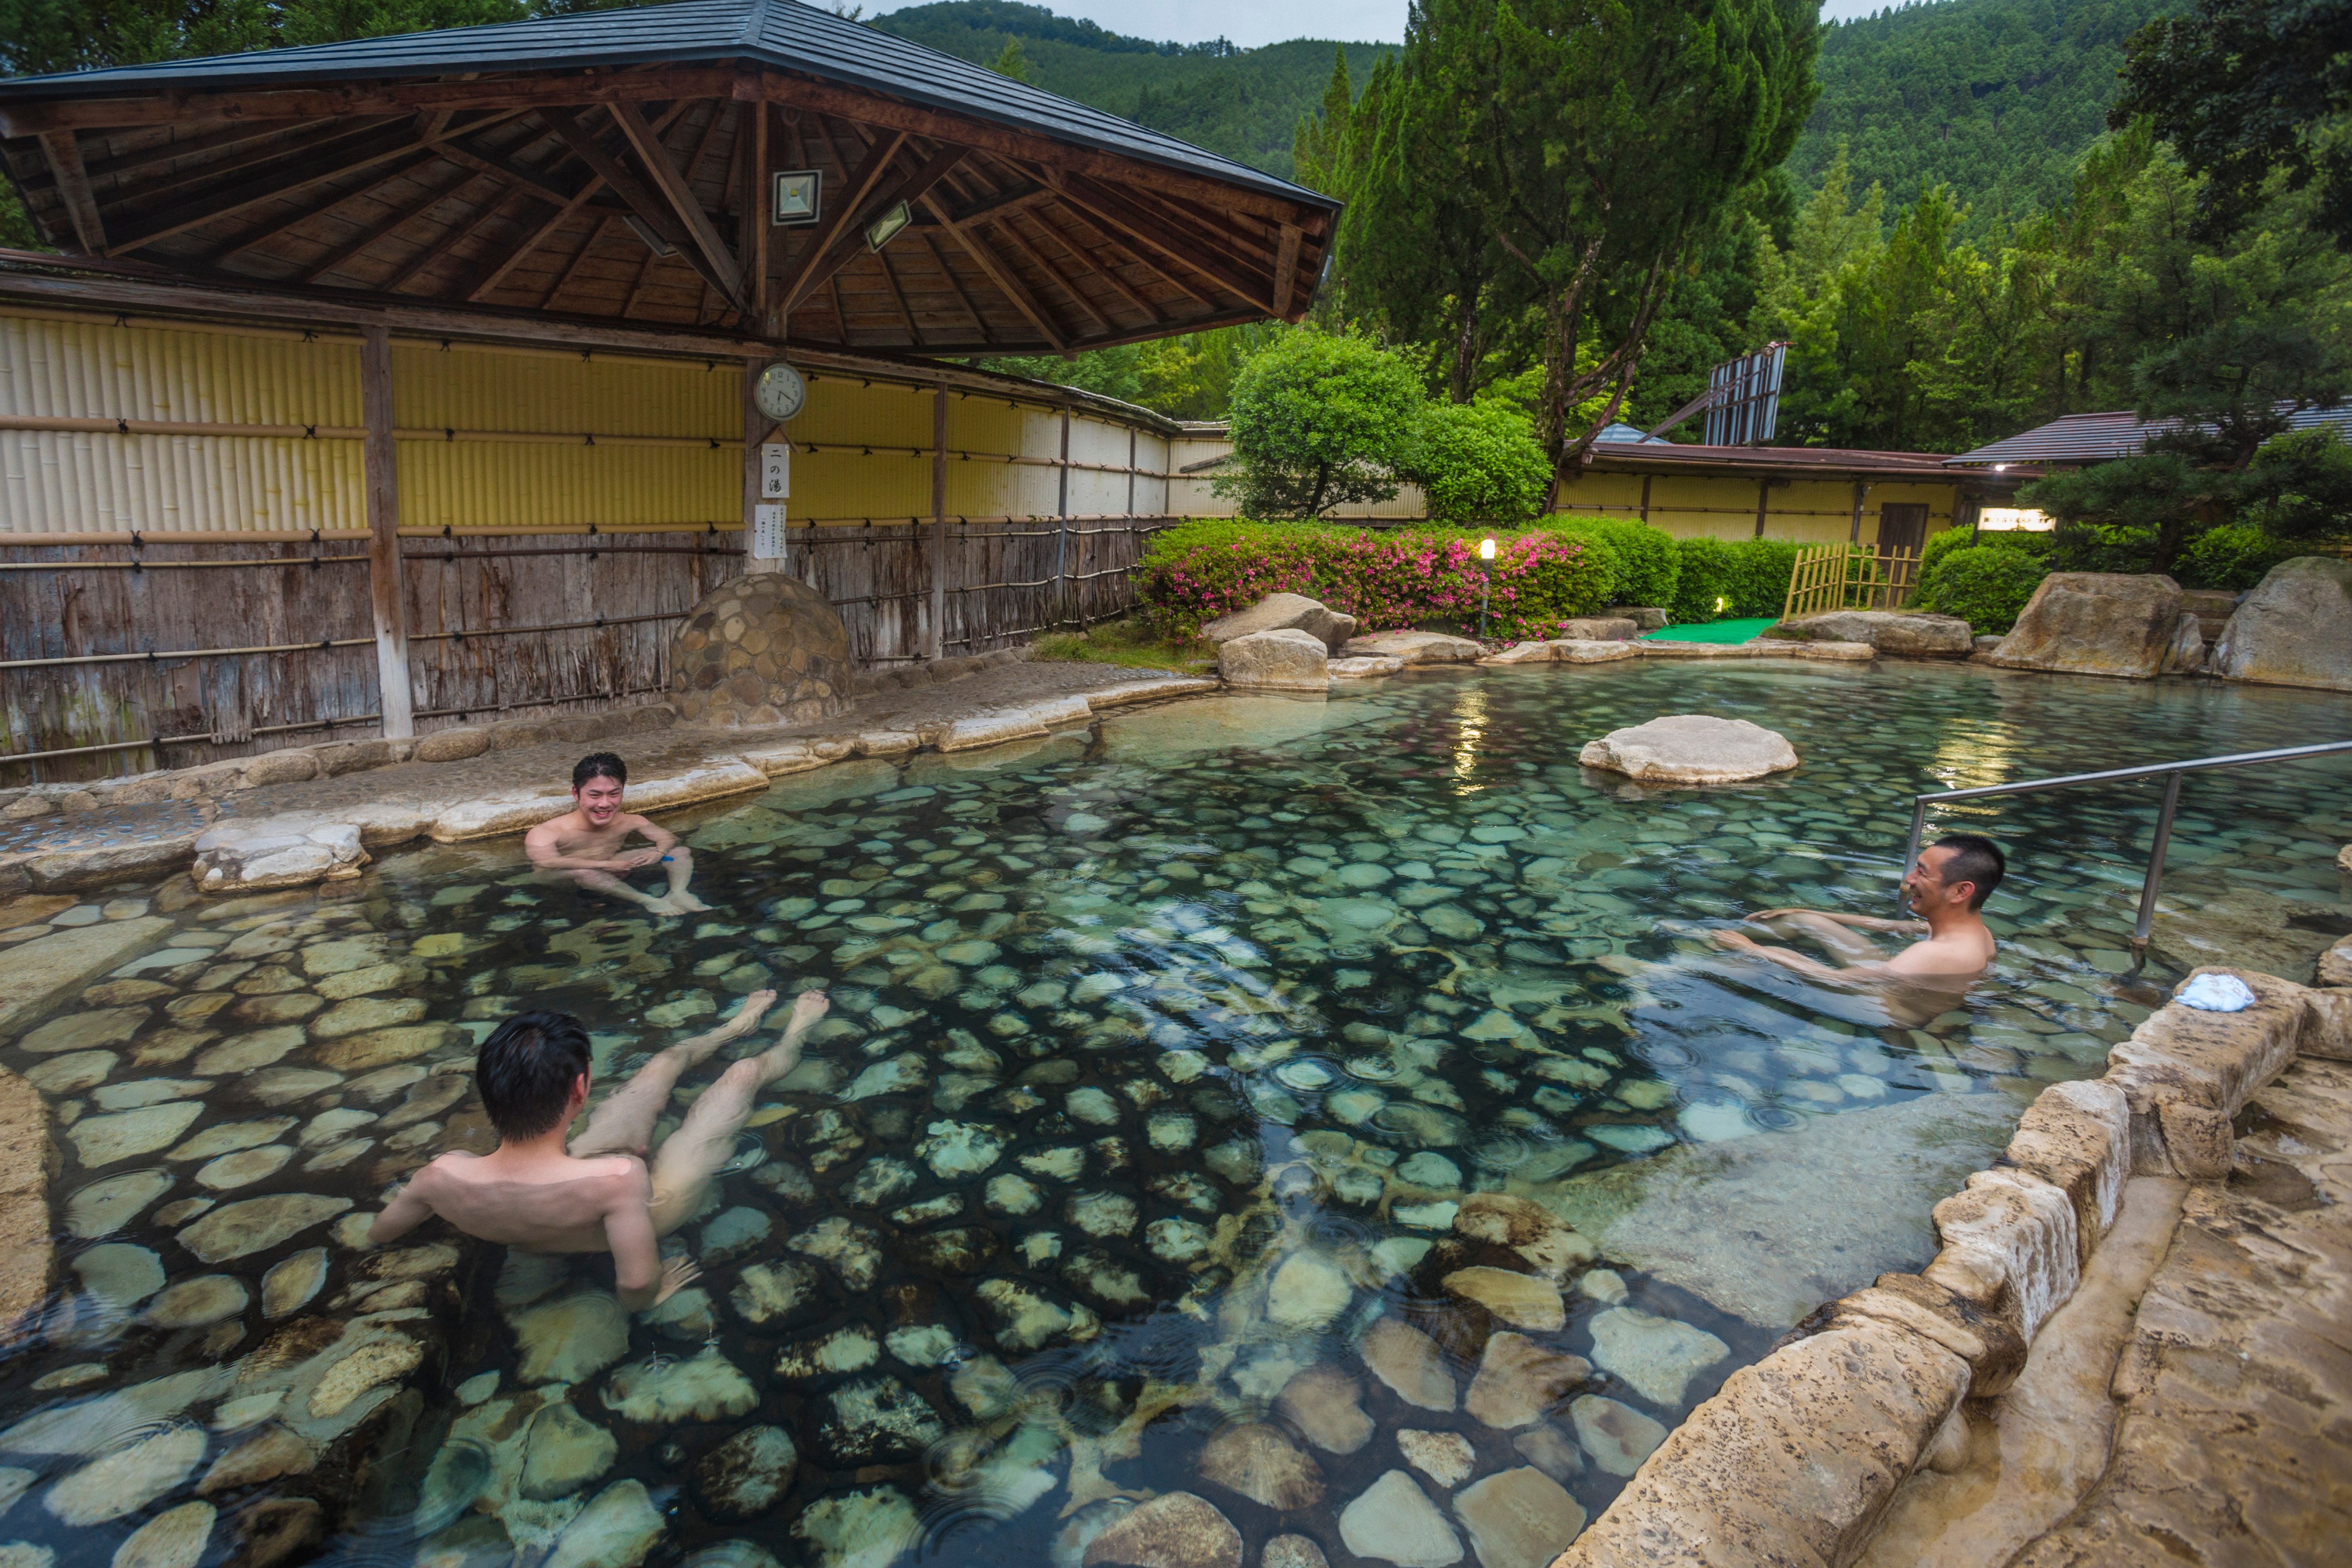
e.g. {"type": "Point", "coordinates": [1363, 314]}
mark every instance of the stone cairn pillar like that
{"type": "Point", "coordinates": [762, 649]}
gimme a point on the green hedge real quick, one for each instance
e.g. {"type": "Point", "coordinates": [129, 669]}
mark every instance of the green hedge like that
{"type": "Point", "coordinates": [1729, 579]}
{"type": "Point", "coordinates": [1646, 561]}
{"type": "Point", "coordinates": [1986, 585]}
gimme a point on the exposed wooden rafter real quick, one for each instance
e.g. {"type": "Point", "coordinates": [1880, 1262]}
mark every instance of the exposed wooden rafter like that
{"type": "Point", "coordinates": [909, 187]}
{"type": "Point", "coordinates": [399, 218]}
{"type": "Point", "coordinates": [839, 209]}
{"type": "Point", "coordinates": [495, 274]}
{"type": "Point", "coordinates": [63, 149]}
{"type": "Point", "coordinates": [1002, 276]}
{"type": "Point", "coordinates": [294, 172]}
{"type": "Point", "coordinates": [677, 188]}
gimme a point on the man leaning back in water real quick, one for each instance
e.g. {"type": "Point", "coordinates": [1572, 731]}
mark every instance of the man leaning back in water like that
{"type": "Point", "coordinates": [1947, 888]}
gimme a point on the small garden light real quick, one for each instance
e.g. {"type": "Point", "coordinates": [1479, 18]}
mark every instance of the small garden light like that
{"type": "Point", "coordinates": [1485, 553]}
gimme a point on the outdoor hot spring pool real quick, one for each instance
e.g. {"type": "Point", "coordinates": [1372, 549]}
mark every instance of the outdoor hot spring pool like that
{"type": "Point", "coordinates": [1163, 1059]}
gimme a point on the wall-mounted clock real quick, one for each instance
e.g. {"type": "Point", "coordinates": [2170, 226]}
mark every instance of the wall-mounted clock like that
{"type": "Point", "coordinates": [780, 392]}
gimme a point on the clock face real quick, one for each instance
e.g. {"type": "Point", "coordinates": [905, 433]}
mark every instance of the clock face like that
{"type": "Point", "coordinates": [780, 392]}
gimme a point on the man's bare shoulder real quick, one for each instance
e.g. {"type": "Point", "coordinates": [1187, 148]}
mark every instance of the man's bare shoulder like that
{"type": "Point", "coordinates": [551, 831]}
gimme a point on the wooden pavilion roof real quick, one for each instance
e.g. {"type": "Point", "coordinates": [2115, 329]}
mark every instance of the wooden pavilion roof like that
{"type": "Point", "coordinates": [599, 167]}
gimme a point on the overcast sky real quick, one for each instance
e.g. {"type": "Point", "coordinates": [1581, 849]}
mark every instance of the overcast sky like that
{"type": "Point", "coordinates": [1254, 22]}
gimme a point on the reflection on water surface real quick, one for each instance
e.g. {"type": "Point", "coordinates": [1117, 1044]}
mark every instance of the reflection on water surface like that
{"type": "Point", "coordinates": [1331, 1112]}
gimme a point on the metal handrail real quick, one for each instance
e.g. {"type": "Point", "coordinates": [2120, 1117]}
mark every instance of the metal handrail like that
{"type": "Point", "coordinates": [2171, 772]}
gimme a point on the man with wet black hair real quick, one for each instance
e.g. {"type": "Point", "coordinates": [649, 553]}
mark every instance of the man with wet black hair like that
{"type": "Point", "coordinates": [534, 1194]}
{"type": "Point", "coordinates": [584, 845]}
{"type": "Point", "coordinates": [1947, 888]}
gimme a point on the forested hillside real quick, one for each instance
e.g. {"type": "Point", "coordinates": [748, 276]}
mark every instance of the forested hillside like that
{"type": "Point", "coordinates": [1243, 103]}
{"type": "Point", "coordinates": [1997, 98]}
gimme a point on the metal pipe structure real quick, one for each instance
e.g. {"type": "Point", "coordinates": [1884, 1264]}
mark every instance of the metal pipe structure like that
{"type": "Point", "coordinates": [2171, 773]}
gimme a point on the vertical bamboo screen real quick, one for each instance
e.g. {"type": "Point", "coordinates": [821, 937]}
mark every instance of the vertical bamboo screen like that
{"type": "Point", "coordinates": [1849, 577]}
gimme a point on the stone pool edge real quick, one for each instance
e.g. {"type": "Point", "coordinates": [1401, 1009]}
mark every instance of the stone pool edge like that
{"type": "Point", "coordinates": [298, 849]}
{"type": "Point", "coordinates": [1799, 1456]}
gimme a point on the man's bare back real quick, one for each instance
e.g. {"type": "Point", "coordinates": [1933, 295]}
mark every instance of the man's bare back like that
{"type": "Point", "coordinates": [599, 1194]}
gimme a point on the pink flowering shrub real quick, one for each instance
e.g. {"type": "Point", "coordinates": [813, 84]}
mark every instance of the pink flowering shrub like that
{"type": "Point", "coordinates": [1389, 579]}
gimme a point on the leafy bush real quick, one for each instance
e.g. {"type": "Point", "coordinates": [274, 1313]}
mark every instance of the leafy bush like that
{"type": "Point", "coordinates": [1951, 541]}
{"type": "Point", "coordinates": [1731, 579]}
{"type": "Point", "coordinates": [1477, 462]}
{"type": "Point", "coordinates": [1387, 580]}
{"type": "Point", "coordinates": [1319, 421]}
{"type": "Point", "coordinates": [2231, 558]}
{"type": "Point", "coordinates": [1986, 585]}
{"type": "Point", "coordinates": [1648, 565]}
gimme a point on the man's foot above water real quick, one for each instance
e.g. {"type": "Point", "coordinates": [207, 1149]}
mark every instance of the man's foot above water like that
{"type": "Point", "coordinates": [747, 1016]}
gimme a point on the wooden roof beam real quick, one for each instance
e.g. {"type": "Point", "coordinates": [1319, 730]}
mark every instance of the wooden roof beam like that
{"type": "Point", "coordinates": [298, 171]}
{"type": "Point", "coordinates": [165, 151]}
{"type": "Point", "coordinates": [906, 188]}
{"type": "Point", "coordinates": [596, 233]}
{"type": "Point", "coordinates": [1012, 231]}
{"type": "Point", "coordinates": [1003, 277]}
{"type": "Point", "coordinates": [63, 150]}
{"type": "Point", "coordinates": [677, 188]}
{"type": "Point", "coordinates": [857, 184]}
{"type": "Point", "coordinates": [652, 210]}
{"type": "Point", "coordinates": [248, 238]}
{"type": "Point", "coordinates": [955, 285]}
{"type": "Point", "coordinates": [459, 232]}
{"type": "Point", "coordinates": [899, 298]}
{"type": "Point", "coordinates": [386, 227]}
{"type": "Point", "coordinates": [491, 278]}
{"type": "Point", "coordinates": [1111, 207]}
{"type": "Point", "coordinates": [1142, 306]}
{"type": "Point", "coordinates": [1286, 269]}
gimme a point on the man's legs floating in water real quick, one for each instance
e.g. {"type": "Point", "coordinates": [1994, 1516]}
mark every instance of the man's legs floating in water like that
{"type": "Point", "coordinates": [679, 863]}
{"type": "Point", "coordinates": [691, 1156]}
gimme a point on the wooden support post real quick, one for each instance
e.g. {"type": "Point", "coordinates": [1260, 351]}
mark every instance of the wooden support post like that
{"type": "Point", "coordinates": [938, 639]}
{"type": "Point", "coordinates": [1853, 534]}
{"type": "Point", "coordinates": [1646, 498]}
{"type": "Point", "coordinates": [756, 428]}
{"type": "Point", "coordinates": [1062, 540]}
{"type": "Point", "coordinates": [387, 588]}
{"type": "Point", "coordinates": [1763, 497]}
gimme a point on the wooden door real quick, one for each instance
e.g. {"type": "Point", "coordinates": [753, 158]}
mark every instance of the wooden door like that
{"type": "Point", "coordinates": [1901, 525]}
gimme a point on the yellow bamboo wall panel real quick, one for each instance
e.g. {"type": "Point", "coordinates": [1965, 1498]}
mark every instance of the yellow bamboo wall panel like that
{"type": "Point", "coordinates": [96, 370]}
{"type": "Point", "coordinates": [54, 482]}
{"type": "Point", "coordinates": [435, 388]}
{"type": "Point", "coordinates": [473, 485]}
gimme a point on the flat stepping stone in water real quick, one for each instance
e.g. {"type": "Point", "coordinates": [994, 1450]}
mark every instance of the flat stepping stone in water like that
{"type": "Point", "coordinates": [105, 1207]}
{"type": "Point", "coordinates": [1307, 1292]}
{"type": "Point", "coordinates": [243, 1168]}
{"type": "Point", "coordinates": [231, 1136]}
{"type": "Point", "coordinates": [747, 1474]}
{"type": "Point", "coordinates": [1322, 1401]}
{"type": "Point", "coordinates": [1519, 1380]}
{"type": "Point", "coordinates": [1263, 1465]}
{"type": "Point", "coordinates": [85, 1031]}
{"type": "Point", "coordinates": [617, 1528]}
{"type": "Point", "coordinates": [1618, 1437]}
{"type": "Point", "coordinates": [1692, 748]}
{"type": "Point", "coordinates": [73, 1072]}
{"type": "Point", "coordinates": [255, 1224]}
{"type": "Point", "coordinates": [127, 1479]}
{"type": "Point", "coordinates": [1522, 1300]}
{"type": "Point", "coordinates": [1174, 1530]}
{"type": "Point", "coordinates": [1407, 1360]}
{"type": "Point", "coordinates": [955, 1149]}
{"type": "Point", "coordinates": [565, 1452]}
{"type": "Point", "coordinates": [94, 1426]}
{"type": "Point", "coordinates": [291, 1283]}
{"type": "Point", "coordinates": [176, 1538]}
{"type": "Point", "coordinates": [1394, 1522]}
{"type": "Point", "coordinates": [191, 1303]}
{"type": "Point", "coordinates": [571, 1339]}
{"type": "Point", "coordinates": [707, 1387]}
{"type": "Point", "coordinates": [1025, 1320]}
{"type": "Point", "coordinates": [844, 1350]}
{"type": "Point", "coordinates": [1445, 1457]}
{"type": "Point", "coordinates": [1519, 1519]}
{"type": "Point", "coordinates": [767, 1292]}
{"type": "Point", "coordinates": [103, 1140]}
{"type": "Point", "coordinates": [853, 1251]}
{"type": "Point", "coordinates": [1656, 1356]}
{"type": "Point", "coordinates": [119, 1273]}
{"type": "Point", "coordinates": [857, 1530]}
{"type": "Point", "coordinates": [877, 1420]}
{"type": "Point", "coordinates": [146, 1091]}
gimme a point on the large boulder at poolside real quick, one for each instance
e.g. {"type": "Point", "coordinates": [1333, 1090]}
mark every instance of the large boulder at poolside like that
{"type": "Point", "coordinates": [1904, 633]}
{"type": "Point", "coordinates": [2295, 629]}
{"type": "Point", "coordinates": [1692, 748]}
{"type": "Point", "coordinates": [1284, 660]}
{"type": "Point", "coordinates": [1598, 628]}
{"type": "Point", "coordinates": [2095, 622]}
{"type": "Point", "coordinates": [1283, 612]}
{"type": "Point", "coordinates": [1415, 647]}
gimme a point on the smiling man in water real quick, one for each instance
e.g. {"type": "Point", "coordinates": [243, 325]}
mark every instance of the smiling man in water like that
{"type": "Point", "coordinates": [584, 845]}
{"type": "Point", "coordinates": [597, 1196]}
{"type": "Point", "coordinates": [1946, 888]}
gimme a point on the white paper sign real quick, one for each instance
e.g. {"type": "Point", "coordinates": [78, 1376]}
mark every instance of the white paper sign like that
{"type": "Point", "coordinates": [775, 471]}
{"type": "Point", "coordinates": [768, 532]}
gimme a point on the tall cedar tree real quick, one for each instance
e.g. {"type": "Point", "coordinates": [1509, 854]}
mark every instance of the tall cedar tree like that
{"type": "Point", "coordinates": [2246, 88]}
{"type": "Point", "coordinates": [1595, 144]}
